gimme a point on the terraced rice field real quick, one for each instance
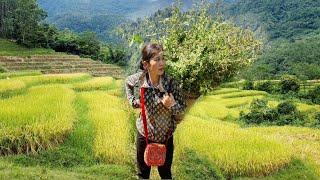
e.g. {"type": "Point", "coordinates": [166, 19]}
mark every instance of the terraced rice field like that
{"type": "Point", "coordinates": [75, 126]}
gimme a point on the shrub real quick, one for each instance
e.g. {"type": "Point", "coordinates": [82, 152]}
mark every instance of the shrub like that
{"type": "Point", "coordinates": [314, 95]}
{"type": "Point", "coordinates": [84, 44]}
{"type": "Point", "coordinates": [248, 85]}
{"type": "Point", "coordinates": [265, 86]}
{"type": "Point", "coordinates": [289, 114]}
{"type": "Point", "coordinates": [286, 107]}
{"type": "Point", "coordinates": [289, 83]}
{"type": "Point", "coordinates": [317, 119]}
{"type": "Point", "coordinates": [285, 113]}
{"type": "Point", "coordinates": [2, 69]}
{"type": "Point", "coordinates": [291, 119]}
{"type": "Point", "coordinates": [113, 54]}
{"type": "Point", "coordinates": [259, 113]}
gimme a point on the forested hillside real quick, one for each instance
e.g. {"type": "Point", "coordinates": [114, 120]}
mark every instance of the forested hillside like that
{"type": "Point", "coordinates": [279, 19]}
{"type": "Point", "coordinates": [100, 16]}
{"type": "Point", "coordinates": [290, 30]}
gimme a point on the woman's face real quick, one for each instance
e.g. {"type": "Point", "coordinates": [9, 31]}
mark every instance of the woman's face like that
{"type": "Point", "coordinates": [157, 64]}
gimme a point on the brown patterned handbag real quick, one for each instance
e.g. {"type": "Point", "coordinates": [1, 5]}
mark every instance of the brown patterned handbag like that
{"type": "Point", "coordinates": [155, 153]}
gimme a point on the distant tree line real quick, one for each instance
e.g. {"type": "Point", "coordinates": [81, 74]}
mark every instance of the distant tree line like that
{"type": "Point", "coordinates": [23, 21]}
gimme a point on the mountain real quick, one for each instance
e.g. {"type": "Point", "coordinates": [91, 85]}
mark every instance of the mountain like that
{"type": "Point", "coordinates": [290, 30]}
{"type": "Point", "coordinates": [127, 8]}
{"type": "Point", "coordinates": [100, 16]}
{"type": "Point", "coordinates": [276, 19]}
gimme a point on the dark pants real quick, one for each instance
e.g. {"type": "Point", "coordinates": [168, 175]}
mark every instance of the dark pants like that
{"type": "Point", "coordinates": [143, 169]}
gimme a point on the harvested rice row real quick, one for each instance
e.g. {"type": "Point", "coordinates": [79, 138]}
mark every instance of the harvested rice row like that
{"type": "Point", "coordinates": [36, 120]}
{"type": "Point", "coordinates": [53, 78]}
{"type": "Point", "coordinates": [18, 74]}
{"type": "Point", "coordinates": [97, 83]}
{"type": "Point", "coordinates": [10, 87]}
{"type": "Point", "coordinates": [112, 133]}
{"type": "Point", "coordinates": [244, 93]}
{"type": "Point", "coordinates": [305, 142]}
{"type": "Point", "coordinates": [225, 91]}
{"type": "Point", "coordinates": [216, 107]}
{"type": "Point", "coordinates": [237, 152]}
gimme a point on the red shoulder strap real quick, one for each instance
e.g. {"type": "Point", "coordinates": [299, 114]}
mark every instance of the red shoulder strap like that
{"type": "Point", "coordinates": [144, 119]}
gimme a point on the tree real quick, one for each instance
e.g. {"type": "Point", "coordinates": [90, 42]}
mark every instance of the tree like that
{"type": "Point", "coordinates": [25, 21]}
{"type": "Point", "coordinates": [88, 44]}
{"type": "Point", "coordinates": [6, 8]}
{"type": "Point", "coordinates": [202, 53]}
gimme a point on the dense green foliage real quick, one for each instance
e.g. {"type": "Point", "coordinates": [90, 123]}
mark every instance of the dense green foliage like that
{"type": "Point", "coordinates": [2, 69]}
{"type": "Point", "coordinates": [278, 19]}
{"type": "Point", "coordinates": [21, 21]}
{"type": "Point", "coordinates": [216, 51]}
{"type": "Point", "coordinates": [115, 54]}
{"type": "Point", "coordinates": [317, 118]}
{"type": "Point", "coordinates": [83, 44]}
{"type": "Point", "coordinates": [102, 25]}
{"type": "Point", "coordinates": [292, 27]}
{"type": "Point", "coordinates": [248, 85]}
{"type": "Point", "coordinates": [285, 113]}
{"type": "Point", "coordinates": [289, 83]}
{"type": "Point", "coordinates": [300, 58]}
{"type": "Point", "coordinates": [265, 86]}
{"type": "Point", "coordinates": [314, 95]}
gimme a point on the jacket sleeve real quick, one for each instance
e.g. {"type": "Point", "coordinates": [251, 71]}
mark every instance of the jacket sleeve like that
{"type": "Point", "coordinates": [130, 83]}
{"type": "Point", "coordinates": [180, 106]}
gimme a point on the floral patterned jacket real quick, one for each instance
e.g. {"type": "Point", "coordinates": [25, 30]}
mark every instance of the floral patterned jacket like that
{"type": "Point", "coordinates": [160, 121]}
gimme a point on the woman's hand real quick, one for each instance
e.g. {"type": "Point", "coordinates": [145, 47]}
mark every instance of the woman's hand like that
{"type": "Point", "coordinates": [168, 100]}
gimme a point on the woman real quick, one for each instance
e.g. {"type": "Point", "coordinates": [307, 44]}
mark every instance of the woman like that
{"type": "Point", "coordinates": [163, 101]}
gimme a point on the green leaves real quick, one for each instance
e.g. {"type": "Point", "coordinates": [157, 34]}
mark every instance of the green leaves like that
{"type": "Point", "coordinates": [205, 53]}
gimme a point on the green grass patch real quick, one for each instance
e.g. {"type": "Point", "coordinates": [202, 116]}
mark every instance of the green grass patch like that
{"type": "Point", "coordinates": [102, 171]}
{"type": "Point", "coordinates": [8, 75]}
{"type": "Point", "coordinates": [190, 165]}
{"type": "Point", "coordinates": [9, 48]}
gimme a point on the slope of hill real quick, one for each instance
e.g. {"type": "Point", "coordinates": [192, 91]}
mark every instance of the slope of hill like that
{"type": "Point", "coordinates": [290, 29]}
{"type": "Point", "coordinates": [278, 19]}
{"type": "Point", "coordinates": [17, 58]}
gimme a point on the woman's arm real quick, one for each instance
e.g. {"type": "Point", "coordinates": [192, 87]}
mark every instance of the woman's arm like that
{"type": "Point", "coordinates": [130, 82]}
{"type": "Point", "coordinates": [179, 107]}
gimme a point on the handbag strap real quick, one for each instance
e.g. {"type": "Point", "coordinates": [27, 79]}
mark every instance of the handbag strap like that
{"type": "Point", "coordinates": [144, 119]}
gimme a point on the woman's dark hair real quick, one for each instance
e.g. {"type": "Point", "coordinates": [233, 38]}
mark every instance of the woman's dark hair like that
{"type": "Point", "coordinates": [149, 51]}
